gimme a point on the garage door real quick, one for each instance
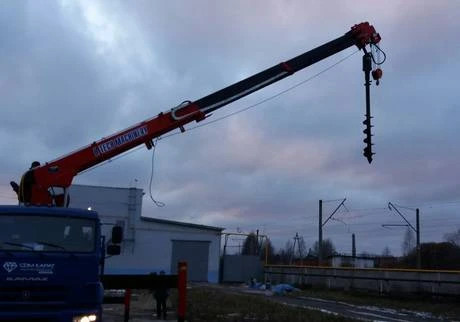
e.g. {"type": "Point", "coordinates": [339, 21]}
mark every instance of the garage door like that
{"type": "Point", "coordinates": [196, 254]}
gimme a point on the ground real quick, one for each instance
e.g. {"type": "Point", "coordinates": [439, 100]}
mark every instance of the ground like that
{"type": "Point", "coordinates": [240, 303]}
{"type": "Point", "coordinates": [142, 309]}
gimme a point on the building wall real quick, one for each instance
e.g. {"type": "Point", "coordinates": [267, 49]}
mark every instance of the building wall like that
{"type": "Point", "coordinates": [153, 250]}
{"type": "Point", "coordinates": [349, 261]}
{"type": "Point", "coordinates": [114, 205]}
{"type": "Point", "coordinates": [147, 245]}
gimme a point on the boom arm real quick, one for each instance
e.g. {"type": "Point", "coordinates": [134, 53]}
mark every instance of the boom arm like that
{"type": "Point", "coordinates": [60, 172]}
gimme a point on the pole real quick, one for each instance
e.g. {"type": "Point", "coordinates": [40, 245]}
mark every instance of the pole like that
{"type": "Point", "coordinates": [299, 248]}
{"type": "Point", "coordinates": [222, 261]}
{"type": "Point", "coordinates": [353, 245]}
{"type": "Point", "coordinates": [266, 250]}
{"type": "Point", "coordinates": [292, 253]}
{"type": "Point", "coordinates": [353, 248]}
{"type": "Point", "coordinates": [182, 289]}
{"type": "Point", "coordinates": [127, 303]}
{"type": "Point", "coordinates": [416, 229]}
{"type": "Point", "coordinates": [419, 249]}
{"type": "Point", "coordinates": [257, 244]}
{"type": "Point", "coordinates": [225, 244]}
{"type": "Point", "coordinates": [320, 234]}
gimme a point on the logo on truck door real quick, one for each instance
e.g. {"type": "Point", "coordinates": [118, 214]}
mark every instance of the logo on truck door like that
{"type": "Point", "coordinates": [37, 268]}
{"type": "Point", "coordinates": [10, 266]}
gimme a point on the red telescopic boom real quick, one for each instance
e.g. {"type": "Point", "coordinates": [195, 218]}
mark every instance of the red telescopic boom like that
{"type": "Point", "coordinates": [58, 174]}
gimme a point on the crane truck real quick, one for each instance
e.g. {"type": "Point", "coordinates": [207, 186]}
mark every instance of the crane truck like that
{"type": "Point", "coordinates": [51, 256]}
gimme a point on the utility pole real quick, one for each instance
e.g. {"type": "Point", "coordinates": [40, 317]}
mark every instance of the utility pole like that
{"type": "Point", "coordinates": [353, 245]}
{"type": "Point", "coordinates": [416, 229]}
{"type": "Point", "coordinates": [299, 248]}
{"type": "Point", "coordinates": [419, 249]}
{"type": "Point", "coordinates": [320, 228]}
{"type": "Point", "coordinates": [353, 248]}
{"type": "Point", "coordinates": [320, 234]}
{"type": "Point", "coordinates": [292, 252]}
{"type": "Point", "coordinates": [257, 243]}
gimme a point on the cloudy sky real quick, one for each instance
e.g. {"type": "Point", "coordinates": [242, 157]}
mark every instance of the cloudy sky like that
{"type": "Point", "coordinates": [72, 72]}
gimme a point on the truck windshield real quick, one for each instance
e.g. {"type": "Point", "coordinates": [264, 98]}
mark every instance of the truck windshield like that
{"type": "Point", "coordinates": [47, 234]}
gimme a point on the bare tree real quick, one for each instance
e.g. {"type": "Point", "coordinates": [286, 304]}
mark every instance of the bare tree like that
{"type": "Point", "coordinates": [302, 247]}
{"type": "Point", "coordinates": [408, 243]}
{"type": "Point", "coordinates": [250, 245]}
{"type": "Point", "coordinates": [266, 248]}
{"type": "Point", "coordinates": [285, 254]}
{"type": "Point", "coordinates": [386, 252]}
{"type": "Point", "coordinates": [453, 238]}
{"type": "Point", "coordinates": [289, 250]}
{"type": "Point", "coordinates": [364, 254]}
{"type": "Point", "coordinates": [328, 248]}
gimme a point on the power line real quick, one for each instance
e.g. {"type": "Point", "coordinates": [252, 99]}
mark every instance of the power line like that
{"type": "Point", "coordinates": [431, 204]}
{"type": "Point", "coordinates": [234, 113]}
{"type": "Point", "coordinates": [270, 97]}
{"type": "Point", "coordinates": [367, 209]}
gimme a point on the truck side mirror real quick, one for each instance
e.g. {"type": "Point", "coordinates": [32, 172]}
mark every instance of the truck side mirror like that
{"type": "Point", "coordinates": [113, 250]}
{"type": "Point", "coordinates": [117, 234]}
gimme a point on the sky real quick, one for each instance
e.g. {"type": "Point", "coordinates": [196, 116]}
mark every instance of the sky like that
{"type": "Point", "coordinates": [73, 72]}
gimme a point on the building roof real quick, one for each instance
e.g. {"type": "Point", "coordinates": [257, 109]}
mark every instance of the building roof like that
{"type": "Point", "coordinates": [180, 223]}
{"type": "Point", "coordinates": [105, 187]}
{"type": "Point", "coordinates": [369, 257]}
{"type": "Point", "coordinates": [51, 211]}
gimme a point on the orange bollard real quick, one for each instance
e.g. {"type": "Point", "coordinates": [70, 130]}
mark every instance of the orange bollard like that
{"type": "Point", "coordinates": [182, 290]}
{"type": "Point", "coordinates": [127, 303]}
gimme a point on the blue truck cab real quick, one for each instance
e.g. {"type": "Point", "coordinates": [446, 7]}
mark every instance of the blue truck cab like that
{"type": "Point", "coordinates": [51, 262]}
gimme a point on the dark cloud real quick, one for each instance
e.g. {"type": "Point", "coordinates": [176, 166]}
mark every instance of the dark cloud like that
{"type": "Point", "coordinates": [73, 72]}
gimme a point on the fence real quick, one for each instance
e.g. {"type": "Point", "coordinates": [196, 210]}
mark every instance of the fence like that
{"type": "Point", "coordinates": [240, 268]}
{"type": "Point", "coordinates": [383, 281]}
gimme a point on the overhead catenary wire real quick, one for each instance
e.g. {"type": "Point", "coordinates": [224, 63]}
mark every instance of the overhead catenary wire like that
{"type": "Point", "coordinates": [332, 200]}
{"type": "Point", "coordinates": [432, 205]}
{"type": "Point", "coordinates": [427, 218]}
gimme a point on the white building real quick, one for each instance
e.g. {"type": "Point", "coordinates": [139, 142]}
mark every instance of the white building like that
{"type": "Point", "coordinates": [150, 244]}
{"type": "Point", "coordinates": [350, 261]}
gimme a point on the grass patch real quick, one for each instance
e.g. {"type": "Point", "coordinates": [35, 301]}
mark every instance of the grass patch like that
{"type": "Point", "coordinates": [208, 304]}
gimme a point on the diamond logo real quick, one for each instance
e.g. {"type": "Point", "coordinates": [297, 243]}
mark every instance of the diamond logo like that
{"type": "Point", "coordinates": [10, 266]}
